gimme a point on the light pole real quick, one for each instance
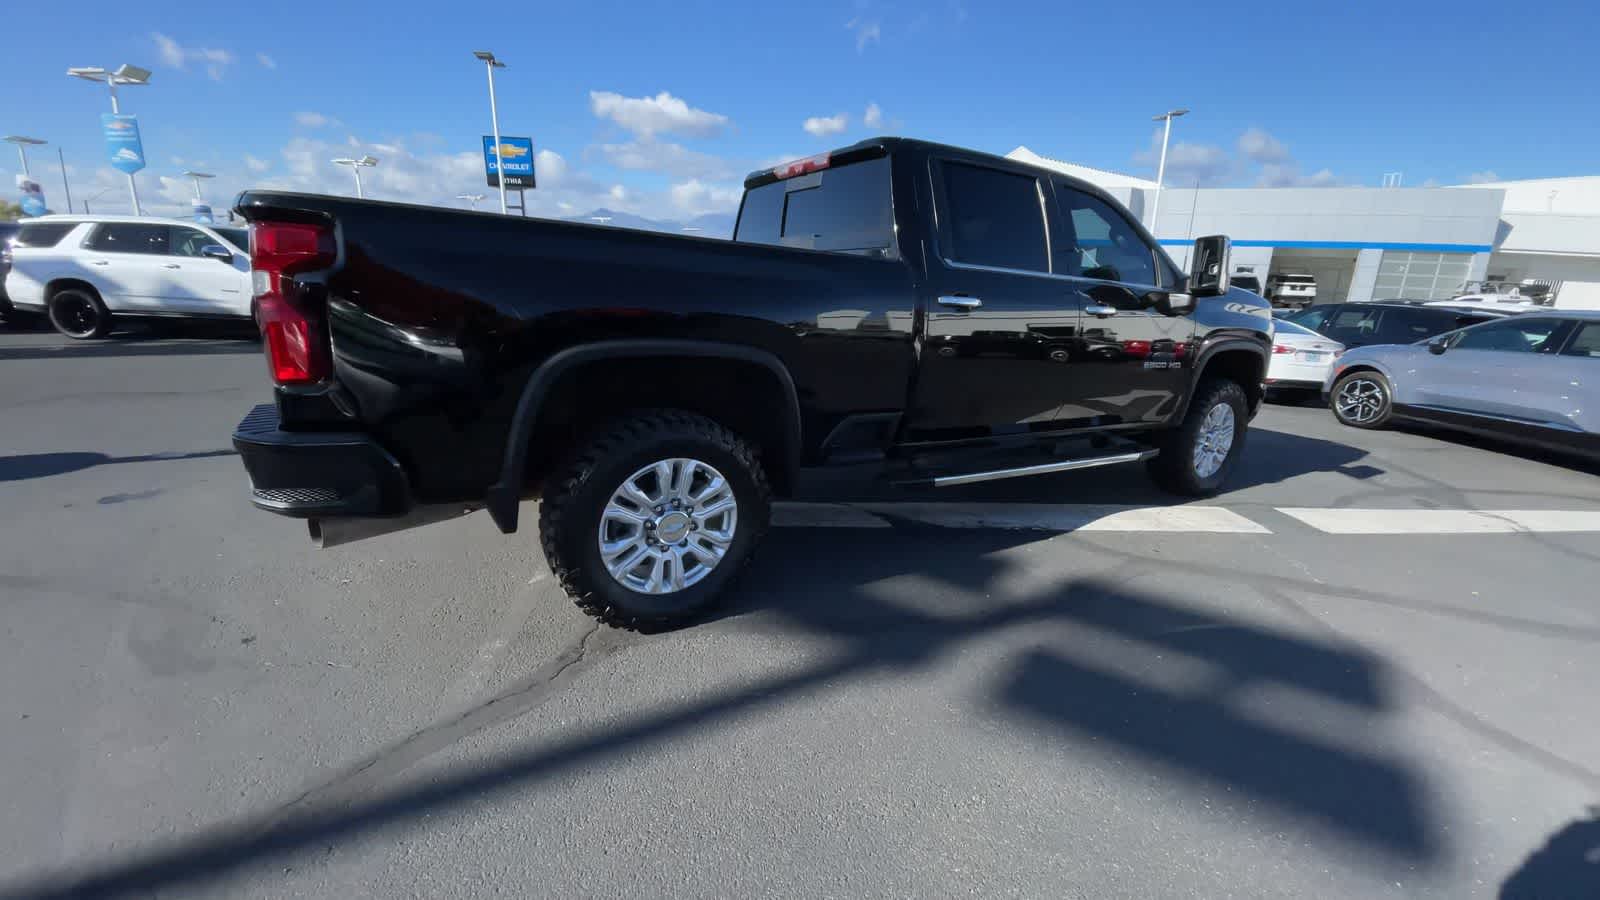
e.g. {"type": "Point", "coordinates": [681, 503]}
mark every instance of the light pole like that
{"type": "Point", "coordinates": [95, 196]}
{"type": "Point", "coordinates": [494, 121]}
{"type": "Point", "coordinates": [1161, 168]}
{"type": "Point", "coordinates": [356, 165]}
{"type": "Point", "coordinates": [23, 143]}
{"type": "Point", "coordinates": [196, 176]}
{"type": "Point", "coordinates": [472, 199]}
{"type": "Point", "coordinates": [124, 75]}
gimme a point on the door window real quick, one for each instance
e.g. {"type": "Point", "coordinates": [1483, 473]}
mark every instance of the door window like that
{"type": "Point", "coordinates": [1314, 317]}
{"type": "Point", "coordinates": [188, 241]}
{"type": "Point", "coordinates": [129, 237]}
{"type": "Point", "coordinates": [1586, 342]}
{"type": "Point", "coordinates": [1101, 243]}
{"type": "Point", "coordinates": [1514, 336]}
{"type": "Point", "coordinates": [1353, 325]}
{"type": "Point", "coordinates": [995, 218]}
{"type": "Point", "coordinates": [1407, 326]}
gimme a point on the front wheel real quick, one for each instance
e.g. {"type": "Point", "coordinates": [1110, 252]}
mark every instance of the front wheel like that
{"type": "Point", "coordinates": [1362, 400]}
{"type": "Point", "coordinates": [1197, 456]}
{"type": "Point", "coordinates": [648, 525]}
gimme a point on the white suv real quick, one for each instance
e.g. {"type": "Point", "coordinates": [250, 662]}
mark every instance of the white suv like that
{"type": "Point", "coordinates": [85, 271]}
{"type": "Point", "coordinates": [1292, 290]}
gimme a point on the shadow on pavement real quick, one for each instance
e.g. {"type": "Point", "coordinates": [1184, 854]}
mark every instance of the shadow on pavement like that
{"type": "Point", "coordinates": [1199, 737]}
{"type": "Point", "coordinates": [1269, 457]}
{"type": "Point", "coordinates": [1568, 865]}
{"type": "Point", "coordinates": [44, 465]}
{"type": "Point", "coordinates": [1505, 448]}
{"type": "Point", "coordinates": [190, 339]}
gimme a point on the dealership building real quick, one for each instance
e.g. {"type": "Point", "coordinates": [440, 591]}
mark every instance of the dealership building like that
{"type": "Point", "coordinates": [1363, 243]}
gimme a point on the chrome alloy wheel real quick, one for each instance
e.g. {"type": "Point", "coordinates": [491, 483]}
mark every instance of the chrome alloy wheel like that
{"type": "Point", "coordinates": [667, 526]}
{"type": "Point", "coordinates": [1216, 440]}
{"type": "Point", "coordinates": [1360, 400]}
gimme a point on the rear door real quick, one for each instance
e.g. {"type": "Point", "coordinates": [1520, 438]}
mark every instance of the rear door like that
{"type": "Point", "coordinates": [200, 284]}
{"type": "Point", "coordinates": [1577, 377]}
{"type": "Point", "coordinates": [1129, 357]}
{"type": "Point", "coordinates": [127, 262]}
{"type": "Point", "coordinates": [999, 321]}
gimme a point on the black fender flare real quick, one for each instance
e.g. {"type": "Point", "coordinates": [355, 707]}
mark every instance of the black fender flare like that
{"type": "Point", "coordinates": [505, 495]}
{"type": "Point", "coordinates": [1253, 344]}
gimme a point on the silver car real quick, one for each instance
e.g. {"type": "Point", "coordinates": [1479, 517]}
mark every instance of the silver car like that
{"type": "Point", "coordinates": [1533, 379]}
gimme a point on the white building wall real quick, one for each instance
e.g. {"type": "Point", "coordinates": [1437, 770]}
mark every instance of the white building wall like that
{"type": "Point", "coordinates": [1365, 277]}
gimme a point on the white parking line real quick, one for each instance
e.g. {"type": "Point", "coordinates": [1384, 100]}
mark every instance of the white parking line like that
{"type": "Point", "coordinates": [1445, 521]}
{"type": "Point", "coordinates": [1031, 516]}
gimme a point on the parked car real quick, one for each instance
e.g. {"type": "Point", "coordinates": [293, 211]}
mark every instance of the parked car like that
{"type": "Point", "coordinates": [1500, 303]}
{"type": "Point", "coordinates": [656, 390]}
{"type": "Point", "coordinates": [8, 230]}
{"type": "Point", "coordinates": [1248, 283]}
{"type": "Point", "coordinates": [1301, 358]}
{"type": "Point", "coordinates": [87, 272]}
{"type": "Point", "coordinates": [1360, 324]}
{"type": "Point", "coordinates": [1285, 289]}
{"type": "Point", "coordinates": [1530, 379]}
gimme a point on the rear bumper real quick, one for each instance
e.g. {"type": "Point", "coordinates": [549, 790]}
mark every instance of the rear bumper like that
{"type": "Point", "coordinates": [313, 474]}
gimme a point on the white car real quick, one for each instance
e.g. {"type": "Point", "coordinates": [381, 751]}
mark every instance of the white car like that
{"type": "Point", "coordinates": [1292, 289]}
{"type": "Point", "coordinates": [1301, 358]}
{"type": "Point", "coordinates": [84, 272]}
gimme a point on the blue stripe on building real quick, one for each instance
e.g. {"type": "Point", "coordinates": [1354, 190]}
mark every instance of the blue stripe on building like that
{"type": "Point", "coordinates": [1348, 245]}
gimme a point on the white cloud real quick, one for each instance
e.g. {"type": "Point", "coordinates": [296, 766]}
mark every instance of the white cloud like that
{"type": "Point", "coordinates": [255, 164]}
{"type": "Point", "coordinates": [873, 117]}
{"type": "Point", "coordinates": [266, 61]}
{"type": "Point", "coordinates": [866, 32]}
{"type": "Point", "coordinates": [1188, 163]}
{"type": "Point", "coordinates": [1484, 177]}
{"type": "Point", "coordinates": [661, 114]}
{"type": "Point", "coordinates": [823, 126]}
{"type": "Point", "coordinates": [1259, 146]}
{"type": "Point", "coordinates": [696, 198]}
{"type": "Point", "coordinates": [314, 119]}
{"type": "Point", "coordinates": [665, 157]}
{"type": "Point", "coordinates": [178, 56]}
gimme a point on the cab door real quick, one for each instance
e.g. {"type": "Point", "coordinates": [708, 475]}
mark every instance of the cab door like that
{"type": "Point", "coordinates": [999, 322]}
{"type": "Point", "coordinates": [1131, 359]}
{"type": "Point", "coordinates": [201, 284]}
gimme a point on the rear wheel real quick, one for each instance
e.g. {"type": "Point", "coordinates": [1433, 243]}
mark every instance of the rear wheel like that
{"type": "Point", "coordinates": [1362, 400]}
{"type": "Point", "coordinates": [1197, 456]}
{"type": "Point", "coordinates": [79, 314]}
{"type": "Point", "coordinates": [649, 524]}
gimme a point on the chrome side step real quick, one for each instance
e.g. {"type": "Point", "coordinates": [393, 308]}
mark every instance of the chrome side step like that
{"type": "Point", "coordinates": [1065, 465]}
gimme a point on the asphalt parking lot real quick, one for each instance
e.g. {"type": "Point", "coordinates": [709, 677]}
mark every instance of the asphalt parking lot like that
{"type": "Point", "coordinates": [1366, 670]}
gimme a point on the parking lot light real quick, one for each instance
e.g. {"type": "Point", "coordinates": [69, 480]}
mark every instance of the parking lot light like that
{"type": "Point", "coordinates": [196, 176]}
{"type": "Point", "coordinates": [356, 165]}
{"type": "Point", "coordinates": [23, 143]}
{"type": "Point", "coordinates": [124, 75]}
{"type": "Point", "coordinates": [1161, 167]}
{"type": "Point", "coordinates": [491, 64]}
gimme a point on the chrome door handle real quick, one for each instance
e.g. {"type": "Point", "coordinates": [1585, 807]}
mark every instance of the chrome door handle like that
{"type": "Point", "coordinates": [961, 302]}
{"type": "Point", "coordinates": [171, 266]}
{"type": "Point", "coordinates": [1100, 310]}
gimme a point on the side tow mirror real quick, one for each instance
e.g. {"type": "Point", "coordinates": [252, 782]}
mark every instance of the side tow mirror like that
{"type": "Point", "coordinates": [1209, 265]}
{"type": "Point", "coordinates": [1438, 346]}
{"type": "Point", "coordinates": [217, 252]}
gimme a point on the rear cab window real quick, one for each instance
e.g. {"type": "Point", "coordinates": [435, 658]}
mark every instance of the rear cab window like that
{"type": "Point", "coordinates": [42, 234]}
{"type": "Point", "coordinates": [846, 209]}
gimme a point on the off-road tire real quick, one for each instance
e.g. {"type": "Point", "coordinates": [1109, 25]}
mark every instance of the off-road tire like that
{"type": "Point", "coordinates": [1174, 469]}
{"type": "Point", "coordinates": [79, 314]}
{"type": "Point", "coordinates": [574, 497]}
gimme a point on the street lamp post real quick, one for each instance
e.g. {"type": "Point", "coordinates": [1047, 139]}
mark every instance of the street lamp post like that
{"type": "Point", "coordinates": [356, 165]}
{"type": "Point", "coordinates": [494, 121]}
{"type": "Point", "coordinates": [23, 143]}
{"type": "Point", "coordinates": [472, 199]}
{"type": "Point", "coordinates": [124, 75]}
{"type": "Point", "coordinates": [1161, 168]}
{"type": "Point", "coordinates": [196, 176]}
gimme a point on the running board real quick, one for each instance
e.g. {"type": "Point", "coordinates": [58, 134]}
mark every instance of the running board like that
{"type": "Point", "coordinates": [1065, 465]}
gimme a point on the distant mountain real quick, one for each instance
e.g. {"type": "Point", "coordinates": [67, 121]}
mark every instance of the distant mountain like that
{"type": "Point", "coordinates": [719, 225]}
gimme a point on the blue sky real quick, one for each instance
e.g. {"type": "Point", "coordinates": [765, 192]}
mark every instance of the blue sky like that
{"type": "Point", "coordinates": [661, 108]}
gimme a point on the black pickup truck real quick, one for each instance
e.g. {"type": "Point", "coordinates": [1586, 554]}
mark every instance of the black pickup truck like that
{"type": "Point", "coordinates": [932, 315]}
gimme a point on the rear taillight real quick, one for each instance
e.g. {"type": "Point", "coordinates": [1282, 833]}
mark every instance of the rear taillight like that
{"type": "Point", "coordinates": [1279, 348]}
{"type": "Point", "coordinates": [295, 335]}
